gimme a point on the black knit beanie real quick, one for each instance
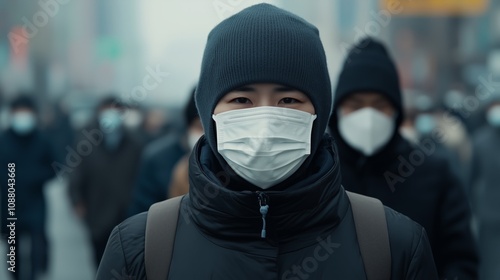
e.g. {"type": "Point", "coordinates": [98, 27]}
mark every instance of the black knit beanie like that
{"type": "Point", "coordinates": [368, 67]}
{"type": "Point", "coordinates": [264, 44]}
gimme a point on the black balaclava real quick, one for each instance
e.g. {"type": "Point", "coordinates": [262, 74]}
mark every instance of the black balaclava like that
{"type": "Point", "coordinates": [367, 68]}
{"type": "Point", "coordinates": [264, 44]}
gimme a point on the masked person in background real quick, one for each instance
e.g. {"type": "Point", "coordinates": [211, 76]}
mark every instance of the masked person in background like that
{"type": "Point", "coordinates": [424, 120]}
{"type": "Point", "coordinates": [485, 192]}
{"type": "Point", "coordinates": [265, 199]}
{"type": "Point", "coordinates": [376, 161]}
{"type": "Point", "coordinates": [159, 160]}
{"type": "Point", "coordinates": [28, 151]}
{"type": "Point", "coordinates": [101, 183]}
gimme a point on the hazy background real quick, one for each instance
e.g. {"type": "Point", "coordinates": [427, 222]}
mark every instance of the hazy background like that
{"type": "Point", "coordinates": [73, 52]}
{"type": "Point", "coordinates": [78, 50]}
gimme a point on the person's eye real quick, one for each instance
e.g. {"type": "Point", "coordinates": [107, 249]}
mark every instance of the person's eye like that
{"type": "Point", "coordinates": [240, 100]}
{"type": "Point", "coordinates": [289, 100]}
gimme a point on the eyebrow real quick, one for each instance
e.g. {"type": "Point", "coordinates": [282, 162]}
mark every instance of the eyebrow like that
{"type": "Point", "coordinates": [283, 88]}
{"type": "Point", "coordinates": [245, 89]}
{"type": "Point", "coordinates": [277, 88]}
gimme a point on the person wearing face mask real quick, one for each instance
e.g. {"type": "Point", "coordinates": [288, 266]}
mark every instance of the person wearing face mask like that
{"type": "Point", "coordinates": [24, 145]}
{"type": "Point", "coordinates": [265, 199]}
{"type": "Point", "coordinates": [424, 119]}
{"type": "Point", "coordinates": [485, 190]}
{"type": "Point", "coordinates": [101, 183]}
{"type": "Point", "coordinates": [376, 161]}
{"type": "Point", "coordinates": [159, 162]}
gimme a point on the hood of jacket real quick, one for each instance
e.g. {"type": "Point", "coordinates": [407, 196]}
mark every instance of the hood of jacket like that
{"type": "Point", "coordinates": [293, 213]}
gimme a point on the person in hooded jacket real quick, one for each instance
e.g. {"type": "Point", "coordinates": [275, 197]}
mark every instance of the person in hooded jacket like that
{"type": "Point", "coordinates": [27, 150]}
{"type": "Point", "coordinates": [264, 99]}
{"type": "Point", "coordinates": [376, 161]}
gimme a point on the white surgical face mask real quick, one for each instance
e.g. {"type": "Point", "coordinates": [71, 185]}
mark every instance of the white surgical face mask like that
{"type": "Point", "coordinates": [110, 120]}
{"type": "Point", "coordinates": [493, 116]}
{"type": "Point", "coordinates": [366, 130]}
{"type": "Point", "coordinates": [23, 122]}
{"type": "Point", "coordinates": [264, 145]}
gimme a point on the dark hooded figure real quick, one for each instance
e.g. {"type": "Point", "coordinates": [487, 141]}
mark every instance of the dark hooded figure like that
{"type": "Point", "coordinates": [376, 161]}
{"type": "Point", "coordinates": [265, 199]}
{"type": "Point", "coordinates": [28, 151]}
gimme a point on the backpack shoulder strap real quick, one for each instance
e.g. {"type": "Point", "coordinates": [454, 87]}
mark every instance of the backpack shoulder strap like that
{"type": "Point", "coordinates": [160, 235]}
{"type": "Point", "coordinates": [373, 237]}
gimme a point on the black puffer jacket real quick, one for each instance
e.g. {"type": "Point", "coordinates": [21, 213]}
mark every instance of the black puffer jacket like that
{"type": "Point", "coordinates": [310, 231]}
{"type": "Point", "coordinates": [418, 182]}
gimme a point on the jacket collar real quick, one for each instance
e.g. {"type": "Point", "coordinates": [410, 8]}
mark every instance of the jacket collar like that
{"type": "Point", "coordinates": [299, 210]}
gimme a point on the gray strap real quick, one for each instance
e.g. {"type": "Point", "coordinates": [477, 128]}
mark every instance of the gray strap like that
{"type": "Point", "coordinates": [160, 235]}
{"type": "Point", "coordinates": [373, 238]}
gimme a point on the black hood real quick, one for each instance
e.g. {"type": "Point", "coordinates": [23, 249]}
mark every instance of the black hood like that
{"type": "Point", "coordinates": [220, 210]}
{"type": "Point", "coordinates": [367, 68]}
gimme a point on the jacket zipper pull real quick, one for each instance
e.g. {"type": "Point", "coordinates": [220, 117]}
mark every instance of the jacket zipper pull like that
{"type": "Point", "coordinates": [264, 208]}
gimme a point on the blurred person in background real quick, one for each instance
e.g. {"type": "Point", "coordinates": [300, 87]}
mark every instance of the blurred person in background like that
{"type": "Point", "coordinates": [457, 143]}
{"type": "Point", "coordinates": [134, 119]}
{"type": "Point", "coordinates": [159, 160]}
{"type": "Point", "coordinates": [101, 184]}
{"type": "Point", "coordinates": [179, 184]}
{"type": "Point", "coordinates": [376, 161]}
{"type": "Point", "coordinates": [415, 103]}
{"type": "Point", "coordinates": [24, 145]}
{"type": "Point", "coordinates": [423, 119]}
{"type": "Point", "coordinates": [485, 192]}
{"type": "Point", "coordinates": [154, 125]}
{"type": "Point", "coordinates": [453, 101]}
